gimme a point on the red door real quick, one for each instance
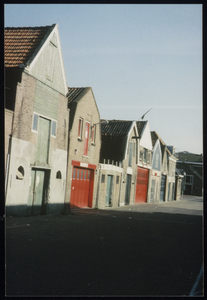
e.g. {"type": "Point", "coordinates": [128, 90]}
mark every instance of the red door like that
{"type": "Point", "coordinates": [141, 187]}
{"type": "Point", "coordinates": [82, 182]}
{"type": "Point", "coordinates": [86, 135]}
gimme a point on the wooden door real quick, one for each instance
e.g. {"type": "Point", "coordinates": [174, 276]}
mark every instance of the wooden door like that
{"type": "Point", "coordinates": [108, 190]}
{"type": "Point", "coordinates": [80, 188]}
{"type": "Point", "coordinates": [141, 185]}
{"type": "Point", "coordinates": [36, 192]}
{"type": "Point", "coordinates": [162, 188]}
{"type": "Point", "coordinates": [128, 189]}
{"type": "Point", "coordinates": [86, 137]}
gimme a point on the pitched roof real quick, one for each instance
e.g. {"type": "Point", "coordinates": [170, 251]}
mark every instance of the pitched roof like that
{"type": "Point", "coordinates": [74, 92]}
{"type": "Point", "coordinates": [190, 157]}
{"type": "Point", "coordinates": [140, 127]}
{"type": "Point", "coordinates": [116, 128]}
{"type": "Point", "coordinates": [21, 42]}
{"type": "Point", "coordinates": [154, 137]}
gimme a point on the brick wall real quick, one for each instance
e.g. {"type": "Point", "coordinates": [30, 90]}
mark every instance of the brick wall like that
{"type": "Point", "coordinates": [62, 123]}
{"type": "Point", "coordinates": [88, 111]}
{"type": "Point", "coordinates": [23, 113]}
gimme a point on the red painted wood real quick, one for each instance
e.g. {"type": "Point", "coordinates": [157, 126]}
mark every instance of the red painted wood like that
{"type": "Point", "coordinates": [141, 185]}
{"type": "Point", "coordinates": [82, 188]}
{"type": "Point", "coordinates": [86, 137]}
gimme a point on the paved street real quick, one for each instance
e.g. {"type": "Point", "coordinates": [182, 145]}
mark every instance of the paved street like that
{"type": "Point", "coordinates": [143, 249]}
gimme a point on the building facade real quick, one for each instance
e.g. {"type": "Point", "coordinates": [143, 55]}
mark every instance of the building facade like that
{"type": "Point", "coordinates": [83, 150]}
{"type": "Point", "coordinates": [36, 121]}
{"type": "Point", "coordinates": [118, 164]}
{"type": "Point", "coordinates": [144, 165]}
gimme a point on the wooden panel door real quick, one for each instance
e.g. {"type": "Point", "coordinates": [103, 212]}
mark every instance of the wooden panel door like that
{"type": "Point", "coordinates": [162, 188]}
{"type": "Point", "coordinates": [141, 185]}
{"type": "Point", "coordinates": [36, 191]}
{"type": "Point", "coordinates": [108, 190]}
{"type": "Point", "coordinates": [80, 188]}
{"type": "Point", "coordinates": [128, 189]}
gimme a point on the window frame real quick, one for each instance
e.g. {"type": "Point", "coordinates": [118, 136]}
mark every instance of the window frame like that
{"type": "Point", "coordinates": [93, 134]}
{"type": "Point", "coordinates": [53, 122]}
{"type": "Point", "coordinates": [35, 115]}
{"type": "Point", "coordinates": [80, 129]}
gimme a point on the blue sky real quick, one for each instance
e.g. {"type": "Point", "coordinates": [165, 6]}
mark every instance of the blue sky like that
{"type": "Point", "coordinates": [135, 57]}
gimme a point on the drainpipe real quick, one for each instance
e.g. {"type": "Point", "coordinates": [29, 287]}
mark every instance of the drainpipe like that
{"type": "Point", "coordinates": [99, 187]}
{"type": "Point", "coordinates": [66, 207]}
{"type": "Point", "coordinates": [8, 164]}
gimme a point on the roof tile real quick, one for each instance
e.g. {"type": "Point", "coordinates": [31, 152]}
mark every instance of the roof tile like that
{"type": "Point", "coordinates": [20, 43]}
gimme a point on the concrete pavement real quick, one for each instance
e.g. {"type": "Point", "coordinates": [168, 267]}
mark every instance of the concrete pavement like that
{"type": "Point", "coordinates": [138, 250]}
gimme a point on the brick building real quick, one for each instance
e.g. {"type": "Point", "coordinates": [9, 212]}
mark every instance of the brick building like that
{"type": "Point", "coordinates": [83, 150]}
{"type": "Point", "coordinates": [36, 121]}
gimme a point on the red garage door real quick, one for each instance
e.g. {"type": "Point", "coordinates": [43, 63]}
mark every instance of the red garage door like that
{"type": "Point", "coordinates": [141, 187]}
{"type": "Point", "coordinates": [80, 188]}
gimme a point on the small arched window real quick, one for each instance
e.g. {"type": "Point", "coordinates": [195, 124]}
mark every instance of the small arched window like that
{"type": "Point", "coordinates": [58, 175]}
{"type": "Point", "coordinates": [20, 173]}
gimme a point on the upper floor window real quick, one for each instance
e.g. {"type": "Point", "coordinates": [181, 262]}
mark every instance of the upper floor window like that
{"type": "Point", "coordinates": [149, 158]}
{"type": "Point", "coordinates": [141, 155]}
{"type": "Point", "coordinates": [80, 128]}
{"type": "Point", "coordinates": [93, 133]}
{"type": "Point", "coordinates": [134, 149]}
{"type": "Point", "coordinates": [130, 154]}
{"type": "Point", "coordinates": [53, 132]}
{"type": "Point", "coordinates": [145, 155]}
{"type": "Point", "coordinates": [156, 160]}
{"type": "Point", "coordinates": [35, 122]}
{"type": "Point", "coordinates": [86, 138]}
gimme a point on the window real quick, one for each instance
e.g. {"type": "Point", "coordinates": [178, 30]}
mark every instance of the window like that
{"type": "Point", "coordinates": [156, 160]}
{"type": "Point", "coordinates": [86, 138]}
{"type": "Point", "coordinates": [35, 122]}
{"type": "Point", "coordinates": [148, 158]}
{"type": "Point", "coordinates": [102, 178]}
{"type": "Point", "coordinates": [145, 155]}
{"type": "Point", "coordinates": [117, 179]}
{"type": "Point", "coordinates": [93, 133]}
{"type": "Point", "coordinates": [130, 154]}
{"type": "Point", "coordinates": [80, 126]}
{"type": "Point", "coordinates": [141, 155]}
{"type": "Point", "coordinates": [58, 175]}
{"type": "Point", "coordinates": [133, 149]}
{"type": "Point", "coordinates": [20, 173]}
{"type": "Point", "coordinates": [54, 128]}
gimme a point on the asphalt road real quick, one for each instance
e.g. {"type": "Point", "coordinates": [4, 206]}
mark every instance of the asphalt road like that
{"type": "Point", "coordinates": [138, 250]}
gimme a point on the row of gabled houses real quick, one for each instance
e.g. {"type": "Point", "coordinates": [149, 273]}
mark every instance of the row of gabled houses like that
{"type": "Point", "coordinates": [59, 154]}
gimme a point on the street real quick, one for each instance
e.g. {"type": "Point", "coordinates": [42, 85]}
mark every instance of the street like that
{"type": "Point", "coordinates": [137, 250]}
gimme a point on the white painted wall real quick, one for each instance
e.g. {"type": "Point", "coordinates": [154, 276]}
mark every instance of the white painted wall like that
{"type": "Point", "coordinates": [146, 140]}
{"type": "Point", "coordinates": [21, 154]}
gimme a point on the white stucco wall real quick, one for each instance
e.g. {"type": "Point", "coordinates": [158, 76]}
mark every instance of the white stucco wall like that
{"type": "Point", "coordinates": [57, 186]}
{"type": "Point", "coordinates": [146, 140]}
{"type": "Point", "coordinates": [17, 190]}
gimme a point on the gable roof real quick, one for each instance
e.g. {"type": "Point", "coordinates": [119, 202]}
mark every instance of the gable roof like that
{"type": "Point", "coordinates": [155, 136]}
{"type": "Point", "coordinates": [20, 43]}
{"type": "Point", "coordinates": [140, 127]}
{"type": "Point", "coordinates": [114, 139]}
{"type": "Point", "coordinates": [116, 128]}
{"type": "Point", "coordinates": [190, 157]}
{"type": "Point", "coordinates": [74, 92]}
